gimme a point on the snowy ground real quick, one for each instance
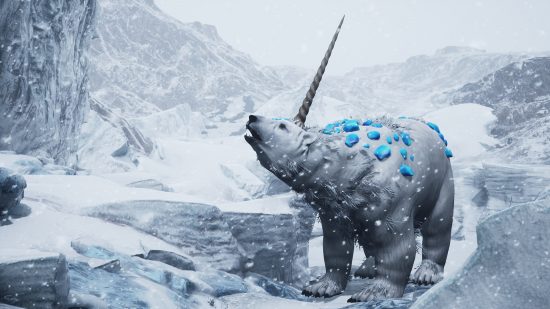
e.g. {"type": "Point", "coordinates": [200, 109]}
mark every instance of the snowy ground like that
{"type": "Point", "coordinates": [219, 171]}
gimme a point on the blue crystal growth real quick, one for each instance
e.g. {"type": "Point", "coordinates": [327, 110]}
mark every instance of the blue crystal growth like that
{"type": "Point", "coordinates": [337, 130]}
{"type": "Point", "coordinates": [403, 153]}
{"type": "Point", "coordinates": [443, 138]}
{"type": "Point", "coordinates": [388, 139]}
{"type": "Point", "coordinates": [382, 152]}
{"type": "Point", "coordinates": [406, 138]}
{"type": "Point", "coordinates": [367, 122]}
{"type": "Point", "coordinates": [433, 126]}
{"type": "Point", "coordinates": [377, 125]}
{"type": "Point", "coordinates": [329, 128]}
{"type": "Point", "coordinates": [396, 137]}
{"type": "Point", "coordinates": [366, 146]}
{"type": "Point", "coordinates": [351, 126]}
{"type": "Point", "coordinates": [352, 139]}
{"type": "Point", "coordinates": [406, 170]}
{"type": "Point", "coordinates": [448, 153]}
{"type": "Point", "coordinates": [411, 157]}
{"type": "Point", "coordinates": [373, 135]}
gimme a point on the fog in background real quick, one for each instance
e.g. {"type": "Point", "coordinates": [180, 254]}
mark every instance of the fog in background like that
{"type": "Point", "coordinates": [294, 32]}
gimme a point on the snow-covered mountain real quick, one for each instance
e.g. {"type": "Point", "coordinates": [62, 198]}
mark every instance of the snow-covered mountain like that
{"type": "Point", "coordinates": [144, 60]}
{"type": "Point", "coordinates": [413, 87]}
{"type": "Point", "coordinates": [519, 94]}
{"type": "Point", "coordinates": [43, 75]}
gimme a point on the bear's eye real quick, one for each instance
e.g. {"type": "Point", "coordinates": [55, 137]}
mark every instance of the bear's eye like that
{"type": "Point", "coordinates": [282, 126]}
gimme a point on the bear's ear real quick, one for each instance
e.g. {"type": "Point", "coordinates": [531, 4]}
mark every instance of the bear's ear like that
{"type": "Point", "coordinates": [309, 138]}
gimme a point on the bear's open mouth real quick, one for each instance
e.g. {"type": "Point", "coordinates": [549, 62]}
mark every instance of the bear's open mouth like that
{"type": "Point", "coordinates": [251, 134]}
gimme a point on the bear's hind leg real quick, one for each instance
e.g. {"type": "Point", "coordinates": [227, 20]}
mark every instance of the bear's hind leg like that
{"type": "Point", "coordinates": [394, 256]}
{"type": "Point", "coordinates": [368, 268]}
{"type": "Point", "coordinates": [436, 237]}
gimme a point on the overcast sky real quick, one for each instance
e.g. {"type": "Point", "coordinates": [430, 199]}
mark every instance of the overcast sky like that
{"type": "Point", "coordinates": [297, 32]}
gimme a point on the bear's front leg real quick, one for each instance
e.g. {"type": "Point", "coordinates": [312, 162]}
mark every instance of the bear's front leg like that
{"type": "Point", "coordinates": [394, 260]}
{"type": "Point", "coordinates": [338, 253]}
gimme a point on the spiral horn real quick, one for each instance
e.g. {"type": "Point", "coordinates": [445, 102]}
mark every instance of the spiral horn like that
{"type": "Point", "coordinates": [300, 118]}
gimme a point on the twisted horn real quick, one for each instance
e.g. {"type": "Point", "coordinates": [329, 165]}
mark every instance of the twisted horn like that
{"type": "Point", "coordinates": [300, 118]}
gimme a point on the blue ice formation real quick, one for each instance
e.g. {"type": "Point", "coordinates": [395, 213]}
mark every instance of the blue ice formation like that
{"type": "Point", "coordinates": [367, 146]}
{"type": "Point", "coordinates": [382, 152]}
{"type": "Point", "coordinates": [448, 152]}
{"type": "Point", "coordinates": [396, 137]}
{"type": "Point", "coordinates": [373, 135]}
{"type": "Point", "coordinates": [433, 126]}
{"type": "Point", "coordinates": [329, 128]}
{"type": "Point", "coordinates": [443, 138]}
{"type": "Point", "coordinates": [388, 139]}
{"type": "Point", "coordinates": [351, 126]}
{"type": "Point", "coordinates": [406, 138]}
{"type": "Point", "coordinates": [377, 125]}
{"type": "Point", "coordinates": [403, 153]}
{"type": "Point", "coordinates": [367, 122]}
{"type": "Point", "coordinates": [406, 170]}
{"type": "Point", "coordinates": [352, 139]}
{"type": "Point", "coordinates": [411, 157]}
{"type": "Point", "coordinates": [337, 130]}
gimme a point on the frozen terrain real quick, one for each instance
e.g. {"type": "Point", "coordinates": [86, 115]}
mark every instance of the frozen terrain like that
{"type": "Point", "coordinates": [165, 205]}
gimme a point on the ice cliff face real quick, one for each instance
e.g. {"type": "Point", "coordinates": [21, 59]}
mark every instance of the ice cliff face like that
{"type": "Point", "coordinates": [145, 60]}
{"type": "Point", "coordinates": [43, 75]}
{"type": "Point", "coordinates": [519, 93]}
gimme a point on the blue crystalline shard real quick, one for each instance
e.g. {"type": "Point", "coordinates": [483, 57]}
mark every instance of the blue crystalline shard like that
{"type": "Point", "coordinates": [403, 153]}
{"type": "Point", "coordinates": [443, 138]}
{"type": "Point", "coordinates": [433, 126]}
{"type": "Point", "coordinates": [337, 130]}
{"type": "Point", "coordinates": [396, 137]}
{"type": "Point", "coordinates": [352, 139]}
{"type": "Point", "coordinates": [367, 122]}
{"type": "Point", "coordinates": [406, 138]}
{"type": "Point", "coordinates": [448, 153]}
{"type": "Point", "coordinates": [367, 146]}
{"type": "Point", "coordinates": [377, 125]}
{"type": "Point", "coordinates": [373, 135]}
{"type": "Point", "coordinates": [411, 157]}
{"type": "Point", "coordinates": [382, 152]}
{"type": "Point", "coordinates": [329, 128]}
{"type": "Point", "coordinates": [388, 139]}
{"type": "Point", "coordinates": [406, 170]}
{"type": "Point", "coordinates": [351, 126]}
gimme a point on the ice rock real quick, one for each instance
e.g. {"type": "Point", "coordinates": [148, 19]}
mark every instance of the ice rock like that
{"type": "Point", "coordinates": [403, 153]}
{"type": "Point", "coordinates": [515, 240]}
{"type": "Point", "coordinates": [373, 135]}
{"type": "Point", "coordinates": [406, 170]}
{"type": "Point", "coordinates": [352, 139]}
{"type": "Point", "coordinates": [382, 152]}
{"type": "Point", "coordinates": [406, 138]}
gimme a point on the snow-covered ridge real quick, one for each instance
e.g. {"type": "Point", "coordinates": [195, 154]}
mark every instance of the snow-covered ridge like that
{"type": "Point", "coordinates": [194, 66]}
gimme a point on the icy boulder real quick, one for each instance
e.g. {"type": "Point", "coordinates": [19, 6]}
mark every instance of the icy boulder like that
{"type": "Point", "coordinates": [33, 279]}
{"type": "Point", "coordinates": [510, 268]}
{"type": "Point", "coordinates": [12, 187]}
{"type": "Point", "coordinates": [44, 74]}
{"type": "Point", "coordinates": [200, 230]}
{"type": "Point", "coordinates": [280, 250]}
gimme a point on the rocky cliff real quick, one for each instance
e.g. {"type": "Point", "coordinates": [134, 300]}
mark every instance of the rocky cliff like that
{"type": "Point", "coordinates": [43, 75]}
{"type": "Point", "coordinates": [519, 93]}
